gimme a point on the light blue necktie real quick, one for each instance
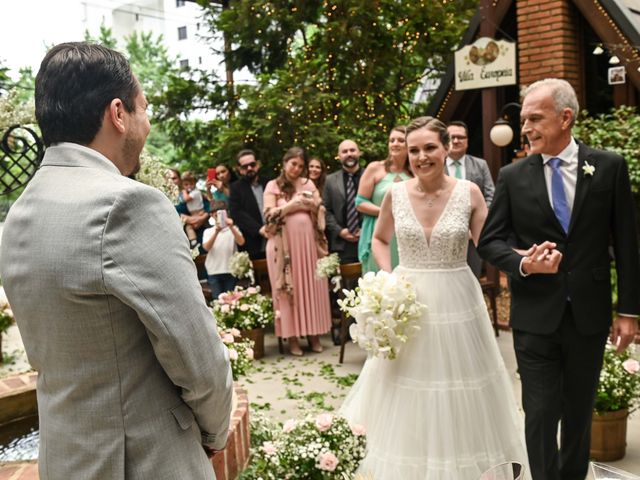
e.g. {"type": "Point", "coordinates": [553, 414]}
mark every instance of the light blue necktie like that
{"type": "Point", "coordinates": [458, 171]}
{"type": "Point", "coordinates": [560, 204]}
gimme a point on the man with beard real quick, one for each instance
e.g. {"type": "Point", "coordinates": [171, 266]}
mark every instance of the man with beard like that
{"type": "Point", "coordinates": [245, 204]}
{"type": "Point", "coordinates": [133, 380]}
{"type": "Point", "coordinates": [343, 220]}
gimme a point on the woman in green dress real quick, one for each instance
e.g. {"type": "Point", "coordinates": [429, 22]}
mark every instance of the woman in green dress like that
{"type": "Point", "coordinates": [376, 179]}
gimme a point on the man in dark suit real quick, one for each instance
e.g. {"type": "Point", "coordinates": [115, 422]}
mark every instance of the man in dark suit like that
{"type": "Point", "coordinates": [343, 220]}
{"type": "Point", "coordinates": [245, 203]}
{"type": "Point", "coordinates": [461, 165]}
{"type": "Point", "coordinates": [564, 206]}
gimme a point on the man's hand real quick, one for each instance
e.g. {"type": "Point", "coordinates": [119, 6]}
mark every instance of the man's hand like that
{"type": "Point", "coordinates": [347, 236]}
{"type": "Point", "coordinates": [543, 258]}
{"type": "Point", "coordinates": [623, 332]}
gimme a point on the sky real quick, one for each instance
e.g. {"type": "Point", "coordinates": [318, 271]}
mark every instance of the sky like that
{"type": "Point", "coordinates": [27, 26]}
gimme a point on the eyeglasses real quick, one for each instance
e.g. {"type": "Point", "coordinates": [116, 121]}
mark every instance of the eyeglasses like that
{"type": "Point", "coordinates": [458, 137]}
{"type": "Point", "coordinates": [249, 165]}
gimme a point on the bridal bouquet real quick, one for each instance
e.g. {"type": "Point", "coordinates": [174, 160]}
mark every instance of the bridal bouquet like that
{"type": "Point", "coordinates": [329, 267]}
{"type": "Point", "coordinates": [240, 266]}
{"type": "Point", "coordinates": [385, 310]}
{"type": "Point", "coordinates": [243, 308]}
{"type": "Point", "coordinates": [240, 351]}
{"type": "Point", "coordinates": [319, 446]}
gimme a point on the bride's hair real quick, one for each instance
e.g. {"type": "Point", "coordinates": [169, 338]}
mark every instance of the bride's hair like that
{"type": "Point", "coordinates": [430, 123]}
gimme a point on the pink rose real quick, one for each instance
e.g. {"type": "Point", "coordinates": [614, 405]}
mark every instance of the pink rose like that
{"type": "Point", "coordinates": [235, 332]}
{"type": "Point", "coordinates": [269, 448]}
{"type": "Point", "coordinates": [244, 307]}
{"type": "Point", "coordinates": [358, 430]}
{"type": "Point", "coordinates": [631, 365]}
{"type": "Point", "coordinates": [324, 421]}
{"type": "Point", "coordinates": [252, 291]}
{"type": "Point", "coordinates": [328, 462]}
{"type": "Point", "coordinates": [224, 308]}
{"type": "Point", "coordinates": [289, 425]}
{"type": "Point", "coordinates": [233, 354]}
{"type": "Point", "coordinates": [227, 338]}
{"type": "Point", "coordinates": [249, 353]}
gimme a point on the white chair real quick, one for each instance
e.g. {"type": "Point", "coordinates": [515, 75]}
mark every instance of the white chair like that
{"type": "Point", "coordinates": [605, 472]}
{"type": "Point", "coordinates": [504, 471]}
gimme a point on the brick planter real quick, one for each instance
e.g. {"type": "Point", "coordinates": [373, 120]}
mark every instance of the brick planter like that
{"type": "Point", "coordinates": [18, 399]}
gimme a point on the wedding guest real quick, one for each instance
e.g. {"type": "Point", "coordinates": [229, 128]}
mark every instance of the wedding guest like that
{"type": "Point", "coordinates": [318, 173]}
{"type": "Point", "coordinates": [221, 242]}
{"type": "Point", "coordinates": [221, 184]}
{"type": "Point", "coordinates": [291, 205]}
{"type": "Point", "coordinates": [563, 207]}
{"type": "Point", "coordinates": [375, 181]}
{"type": "Point", "coordinates": [245, 203]}
{"type": "Point", "coordinates": [192, 197]}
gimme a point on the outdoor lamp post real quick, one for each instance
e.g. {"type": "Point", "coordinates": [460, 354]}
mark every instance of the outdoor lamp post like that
{"type": "Point", "coordinates": [501, 133]}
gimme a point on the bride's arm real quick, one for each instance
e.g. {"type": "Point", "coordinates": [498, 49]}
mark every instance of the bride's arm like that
{"type": "Point", "coordinates": [478, 213]}
{"type": "Point", "coordinates": [382, 235]}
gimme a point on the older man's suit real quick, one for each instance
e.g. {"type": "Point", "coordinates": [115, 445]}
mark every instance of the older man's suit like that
{"type": "Point", "coordinates": [246, 213]}
{"type": "Point", "coordinates": [569, 310]}
{"type": "Point", "coordinates": [132, 376]}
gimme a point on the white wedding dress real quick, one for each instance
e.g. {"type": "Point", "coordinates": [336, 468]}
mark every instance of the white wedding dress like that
{"type": "Point", "coordinates": [445, 408]}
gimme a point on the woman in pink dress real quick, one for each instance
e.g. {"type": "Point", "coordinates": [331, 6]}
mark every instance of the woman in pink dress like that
{"type": "Point", "coordinates": [294, 226]}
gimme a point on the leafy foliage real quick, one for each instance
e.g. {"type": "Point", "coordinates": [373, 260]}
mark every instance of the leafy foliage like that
{"type": "Point", "coordinates": [618, 131]}
{"type": "Point", "coordinates": [325, 70]}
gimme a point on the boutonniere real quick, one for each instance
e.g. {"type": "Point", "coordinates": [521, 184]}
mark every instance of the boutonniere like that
{"type": "Point", "coordinates": [588, 169]}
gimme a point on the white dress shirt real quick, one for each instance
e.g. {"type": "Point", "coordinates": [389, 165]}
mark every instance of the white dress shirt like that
{"type": "Point", "coordinates": [568, 171]}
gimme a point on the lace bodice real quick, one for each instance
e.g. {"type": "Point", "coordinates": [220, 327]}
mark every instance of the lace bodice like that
{"type": "Point", "coordinates": [447, 247]}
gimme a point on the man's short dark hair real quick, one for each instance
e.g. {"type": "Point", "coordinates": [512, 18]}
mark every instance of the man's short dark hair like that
{"type": "Point", "coordinates": [75, 84]}
{"type": "Point", "coordinates": [244, 153]}
{"type": "Point", "coordinates": [459, 123]}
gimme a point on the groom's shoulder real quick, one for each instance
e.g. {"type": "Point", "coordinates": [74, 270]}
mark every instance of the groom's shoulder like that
{"type": "Point", "coordinates": [517, 167]}
{"type": "Point", "coordinates": [610, 155]}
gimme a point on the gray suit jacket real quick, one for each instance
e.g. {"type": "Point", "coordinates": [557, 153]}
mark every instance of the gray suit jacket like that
{"type": "Point", "coordinates": [133, 377]}
{"type": "Point", "coordinates": [477, 171]}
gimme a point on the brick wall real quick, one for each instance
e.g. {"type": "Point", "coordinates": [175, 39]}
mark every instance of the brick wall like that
{"type": "Point", "coordinates": [548, 41]}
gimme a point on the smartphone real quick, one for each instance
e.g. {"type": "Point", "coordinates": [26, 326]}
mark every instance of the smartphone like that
{"type": "Point", "coordinates": [222, 218]}
{"type": "Point", "coordinates": [211, 174]}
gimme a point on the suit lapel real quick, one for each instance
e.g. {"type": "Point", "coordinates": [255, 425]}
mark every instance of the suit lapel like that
{"type": "Point", "coordinates": [539, 189]}
{"type": "Point", "coordinates": [583, 182]}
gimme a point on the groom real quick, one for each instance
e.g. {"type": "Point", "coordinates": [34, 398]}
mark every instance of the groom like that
{"type": "Point", "coordinates": [564, 206]}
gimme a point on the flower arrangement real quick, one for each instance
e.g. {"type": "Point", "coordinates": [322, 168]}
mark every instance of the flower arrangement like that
{"type": "Point", "coordinates": [243, 308]}
{"type": "Point", "coordinates": [329, 267]}
{"type": "Point", "coordinates": [619, 385]}
{"type": "Point", "coordinates": [385, 310]}
{"type": "Point", "coordinates": [320, 446]}
{"type": "Point", "coordinates": [154, 173]}
{"type": "Point", "coordinates": [240, 266]}
{"type": "Point", "coordinates": [240, 351]}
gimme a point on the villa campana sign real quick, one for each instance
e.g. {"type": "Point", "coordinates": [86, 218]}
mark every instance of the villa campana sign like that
{"type": "Point", "coordinates": [485, 63]}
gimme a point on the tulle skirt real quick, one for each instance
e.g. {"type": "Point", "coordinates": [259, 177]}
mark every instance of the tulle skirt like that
{"type": "Point", "coordinates": [445, 408]}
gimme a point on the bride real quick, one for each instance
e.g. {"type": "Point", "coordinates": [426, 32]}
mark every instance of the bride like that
{"type": "Point", "coordinates": [444, 409]}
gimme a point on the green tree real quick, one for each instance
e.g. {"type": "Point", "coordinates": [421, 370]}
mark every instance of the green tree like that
{"type": "Point", "coordinates": [324, 69]}
{"type": "Point", "coordinates": [151, 63]}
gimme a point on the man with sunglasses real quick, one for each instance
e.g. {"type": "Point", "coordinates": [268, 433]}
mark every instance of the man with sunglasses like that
{"type": "Point", "coordinates": [245, 203]}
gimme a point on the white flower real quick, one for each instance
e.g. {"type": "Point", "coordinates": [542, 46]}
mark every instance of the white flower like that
{"type": "Point", "coordinates": [588, 170]}
{"type": "Point", "coordinates": [328, 266]}
{"type": "Point", "coordinates": [386, 311]}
